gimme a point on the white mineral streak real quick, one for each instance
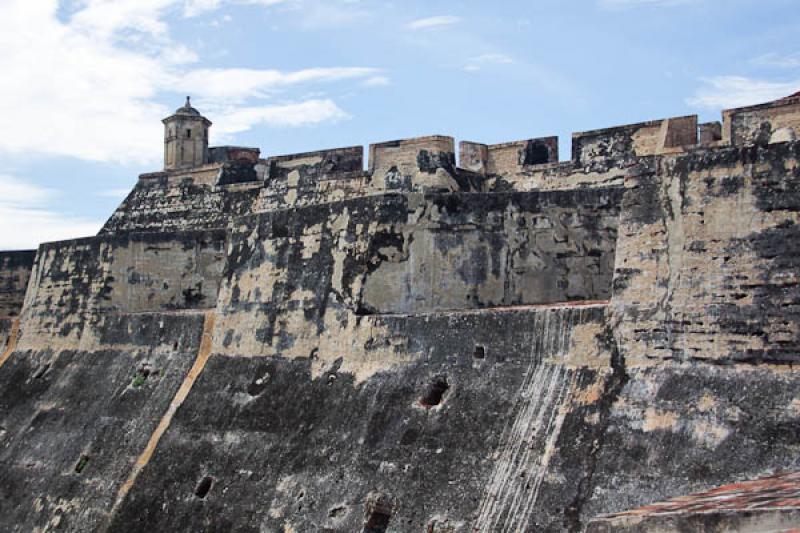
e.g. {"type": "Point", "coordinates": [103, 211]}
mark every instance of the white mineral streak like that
{"type": "Point", "coordinates": [529, 439]}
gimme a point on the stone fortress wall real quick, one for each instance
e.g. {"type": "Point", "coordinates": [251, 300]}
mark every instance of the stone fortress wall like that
{"type": "Point", "coordinates": [516, 343]}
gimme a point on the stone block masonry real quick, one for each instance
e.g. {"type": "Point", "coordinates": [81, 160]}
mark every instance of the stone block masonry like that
{"type": "Point", "coordinates": [15, 270]}
{"type": "Point", "coordinates": [82, 284]}
{"type": "Point", "coordinates": [508, 342]}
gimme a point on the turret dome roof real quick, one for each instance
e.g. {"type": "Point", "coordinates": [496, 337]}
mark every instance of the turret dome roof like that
{"type": "Point", "coordinates": [187, 109]}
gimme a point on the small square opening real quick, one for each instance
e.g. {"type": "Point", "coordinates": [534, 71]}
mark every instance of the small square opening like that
{"type": "Point", "coordinates": [377, 522]}
{"type": "Point", "coordinates": [435, 392]}
{"type": "Point", "coordinates": [201, 491]}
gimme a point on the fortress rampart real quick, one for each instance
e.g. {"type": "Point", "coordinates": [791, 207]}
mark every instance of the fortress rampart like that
{"type": "Point", "coordinates": [507, 342]}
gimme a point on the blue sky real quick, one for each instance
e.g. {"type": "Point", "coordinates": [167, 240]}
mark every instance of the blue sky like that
{"type": "Point", "coordinates": [86, 82]}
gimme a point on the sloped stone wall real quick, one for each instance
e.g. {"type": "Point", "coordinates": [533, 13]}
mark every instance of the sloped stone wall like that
{"type": "Point", "coordinates": [287, 448]}
{"type": "Point", "coordinates": [74, 421]}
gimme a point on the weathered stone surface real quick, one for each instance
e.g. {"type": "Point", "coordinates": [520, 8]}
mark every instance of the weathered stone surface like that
{"type": "Point", "coordinates": [74, 421]}
{"type": "Point", "coordinates": [15, 270]}
{"type": "Point", "coordinates": [517, 345]}
{"type": "Point", "coordinates": [330, 441]}
{"type": "Point", "coordinates": [82, 285]}
{"type": "Point", "coordinates": [707, 258]}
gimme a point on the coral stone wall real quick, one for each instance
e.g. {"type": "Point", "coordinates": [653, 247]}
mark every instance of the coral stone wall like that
{"type": "Point", "coordinates": [707, 258]}
{"type": "Point", "coordinates": [473, 251]}
{"type": "Point", "coordinates": [79, 286]}
{"type": "Point", "coordinates": [15, 270]}
{"type": "Point", "coordinates": [296, 344]}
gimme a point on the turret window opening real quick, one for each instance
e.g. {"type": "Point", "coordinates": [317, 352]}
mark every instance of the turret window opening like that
{"type": "Point", "coordinates": [188, 134]}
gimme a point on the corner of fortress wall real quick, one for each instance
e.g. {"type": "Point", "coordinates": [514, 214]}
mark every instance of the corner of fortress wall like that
{"type": "Point", "coordinates": [294, 342]}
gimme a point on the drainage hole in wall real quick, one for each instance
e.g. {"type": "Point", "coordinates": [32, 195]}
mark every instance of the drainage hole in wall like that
{"type": "Point", "coordinates": [203, 487]}
{"type": "Point", "coordinates": [480, 352]}
{"type": "Point", "coordinates": [433, 396]}
{"type": "Point", "coordinates": [336, 512]}
{"type": "Point", "coordinates": [81, 464]}
{"type": "Point", "coordinates": [377, 522]}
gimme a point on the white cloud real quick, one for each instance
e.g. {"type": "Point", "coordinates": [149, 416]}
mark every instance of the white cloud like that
{"type": "Point", "coordinates": [310, 112]}
{"type": "Point", "coordinates": [17, 193]}
{"type": "Point", "coordinates": [178, 54]}
{"type": "Point", "coordinates": [778, 61]}
{"type": "Point", "coordinates": [238, 83]}
{"type": "Point", "coordinates": [628, 4]}
{"type": "Point", "coordinates": [104, 18]}
{"type": "Point", "coordinates": [377, 81]}
{"type": "Point", "coordinates": [311, 14]}
{"type": "Point", "coordinates": [193, 8]}
{"type": "Point", "coordinates": [725, 92]}
{"type": "Point", "coordinates": [89, 85]}
{"type": "Point", "coordinates": [493, 58]}
{"type": "Point", "coordinates": [110, 16]}
{"type": "Point", "coordinates": [433, 22]}
{"type": "Point", "coordinates": [68, 93]}
{"type": "Point", "coordinates": [325, 14]}
{"type": "Point", "coordinates": [478, 62]}
{"type": "Point", "coordinates": [26, 208]}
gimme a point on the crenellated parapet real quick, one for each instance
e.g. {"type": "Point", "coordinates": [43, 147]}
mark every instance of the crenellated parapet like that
{"type": "Point", "coordinates": [410, 155]}
{"type": "Point", "coordinates": [655, 137]}
{"type": "Point", "coordinates": [772, 122]}
{"type": "Point", "coordinates": [323, 164]}
{"type": "Point", "coordinates": [236, 181]}
{"type": "Point", "coordinates": [391, 163]}
{"type": "Point", "coordinates": [509, 157]}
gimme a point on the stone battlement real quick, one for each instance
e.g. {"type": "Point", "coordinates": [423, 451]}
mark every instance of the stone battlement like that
{"type": "Point", "coordinates": [239, 182]}
{"type": "Point", "coordinates": [776, 121]}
